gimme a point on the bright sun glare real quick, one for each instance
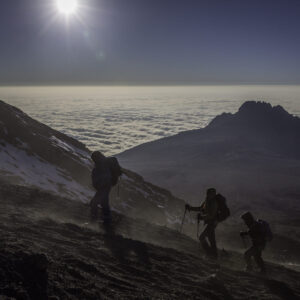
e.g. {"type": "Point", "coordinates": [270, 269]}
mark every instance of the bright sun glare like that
{"type": "Point", "coordinates": [67, 7]}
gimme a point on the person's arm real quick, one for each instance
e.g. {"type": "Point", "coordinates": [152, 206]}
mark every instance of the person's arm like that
{"type": "Point", "coordinates": [94, 177]}
{"type": "Point", "coordinates": [194, 208]}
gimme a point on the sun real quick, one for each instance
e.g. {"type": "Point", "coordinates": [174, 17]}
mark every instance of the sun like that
{"type": "Point", "coordinates": [67, 7]}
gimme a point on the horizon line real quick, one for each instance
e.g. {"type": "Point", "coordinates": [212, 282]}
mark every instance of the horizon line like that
{"type": "Point", "coordinates": [149, 85]}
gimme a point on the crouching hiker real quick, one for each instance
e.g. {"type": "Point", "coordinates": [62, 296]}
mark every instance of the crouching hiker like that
{"type": "Point", "coordinates": [105, 175]}
{"type": "Point", "coordinates": [259, 231]}
{"type": "Point", "coordinates": [211, 211]}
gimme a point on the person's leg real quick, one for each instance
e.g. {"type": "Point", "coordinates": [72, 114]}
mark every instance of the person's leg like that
{"type": "Point", "coordinates": [203, 240]}
{"type": "Point", "coordinates": [94, 205]}
{"type": "Point", "coordinates": [259, 261]}
{"type": "Point", "coordinates": [248, 255]}
{"type": "Point", "coordinates": [105, 203]}
{"type": "Point", "coordinates": [212, 238]}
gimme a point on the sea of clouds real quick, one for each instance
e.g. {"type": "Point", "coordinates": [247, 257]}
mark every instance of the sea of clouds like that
{"type": "Point", "coordinates": [117, 118]}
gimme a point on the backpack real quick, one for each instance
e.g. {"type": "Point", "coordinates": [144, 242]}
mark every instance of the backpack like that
{"type": "Point", "coordinates": [115, 169]}
{"type": "Point", "coordinates": [266, 230]}
{"type": "Point", "coordinates": [223, 210]}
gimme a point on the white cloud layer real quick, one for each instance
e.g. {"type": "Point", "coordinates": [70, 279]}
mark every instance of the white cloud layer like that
{"type": "Point", "coordinates": [114, 119]}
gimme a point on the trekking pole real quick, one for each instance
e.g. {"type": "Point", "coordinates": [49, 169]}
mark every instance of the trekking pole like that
{"type": "Point", "coordinates": [182, 221]}
{"type": "Point", "coordinates": [198, 224]}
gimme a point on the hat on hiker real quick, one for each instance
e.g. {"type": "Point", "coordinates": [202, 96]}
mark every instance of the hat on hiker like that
{"type": "Point", "coordinates": [96, 156]}
{"type": "Point", "coordinates": [211, 191]}
{"type": "Point", "coordinates": [247, 216]}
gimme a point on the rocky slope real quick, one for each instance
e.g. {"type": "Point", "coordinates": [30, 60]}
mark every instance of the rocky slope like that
{"type": "Point", "coordinates": [33, 154]}
{"type": "Point", "coordinates": [48, 251]}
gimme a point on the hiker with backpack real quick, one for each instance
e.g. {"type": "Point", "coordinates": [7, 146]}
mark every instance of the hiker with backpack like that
{"type": "Point", "coordinates": [259, 231]}
{"type": "Point", "coordinates": [212, 211]}
{"type": "Point", "coordinates": [105, 175]}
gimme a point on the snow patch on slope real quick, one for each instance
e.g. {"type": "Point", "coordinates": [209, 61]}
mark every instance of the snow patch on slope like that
{"type": "Point", "coordinates": [32, 170]}
{"type": "Point", "coordinates": [82, 155]}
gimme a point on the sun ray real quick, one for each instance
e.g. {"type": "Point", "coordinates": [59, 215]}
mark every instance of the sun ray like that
{"type": "Point", "coordinates": [53, 19]}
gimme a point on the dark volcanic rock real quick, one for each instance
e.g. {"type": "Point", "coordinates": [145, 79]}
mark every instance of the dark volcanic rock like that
{"type": "Point", "coordinates": [23, 275]}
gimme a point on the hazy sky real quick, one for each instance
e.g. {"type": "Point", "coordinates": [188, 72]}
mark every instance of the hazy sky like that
{"type": "Point", "coordinates": [150, 42]}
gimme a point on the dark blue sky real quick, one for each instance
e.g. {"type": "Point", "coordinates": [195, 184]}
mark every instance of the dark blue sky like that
{"type": "Point", "coordinates": [150, 42]}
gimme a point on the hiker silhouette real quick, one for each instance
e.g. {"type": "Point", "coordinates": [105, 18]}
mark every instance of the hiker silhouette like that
{"type": "Point", "coordinates": [105, 175]}
{"type": "Point", "coordinates": [258, 232]}
{"type": "Point", "coordinates": [212, 211]}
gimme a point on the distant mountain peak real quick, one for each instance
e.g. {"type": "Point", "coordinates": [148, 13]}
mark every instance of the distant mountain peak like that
{"type": "Point", "coordinates": [254, 108]}
{"type": "Point", "coordinates": [254, 115]}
